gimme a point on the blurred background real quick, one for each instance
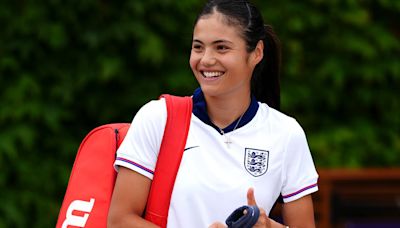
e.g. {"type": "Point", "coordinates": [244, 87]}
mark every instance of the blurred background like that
{"type": "Point", "coordinates": [67, 67]}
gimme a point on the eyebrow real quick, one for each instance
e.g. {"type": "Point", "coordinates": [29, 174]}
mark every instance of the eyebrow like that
{"type": "Point", "coordinates": [214, 42]}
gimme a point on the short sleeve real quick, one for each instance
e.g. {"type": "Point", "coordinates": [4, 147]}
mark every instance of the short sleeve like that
{"type": "Point", "coordinates": [139, 150]}
{"type": "Point", "coordinates": [299, 174]}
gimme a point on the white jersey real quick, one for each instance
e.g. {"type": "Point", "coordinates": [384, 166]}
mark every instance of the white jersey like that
{"type": "Point", "coordinates": [268, 152]}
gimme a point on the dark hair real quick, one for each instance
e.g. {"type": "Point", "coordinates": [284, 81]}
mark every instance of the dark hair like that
{"type": "Point", "coordinates": [265, 84]}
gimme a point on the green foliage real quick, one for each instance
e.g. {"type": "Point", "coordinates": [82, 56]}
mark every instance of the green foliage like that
{"type": "Point", "coordinates": [341, 79]}
{"type": "Point", "coordinates": [69, 66]}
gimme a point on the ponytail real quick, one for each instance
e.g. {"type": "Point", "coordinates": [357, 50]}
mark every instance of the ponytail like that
{"type": "Point", "coordinates": [265, 83]}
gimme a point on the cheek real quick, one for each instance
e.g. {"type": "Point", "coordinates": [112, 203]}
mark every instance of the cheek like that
{"type": "Point", "coordinates": [193, 61]}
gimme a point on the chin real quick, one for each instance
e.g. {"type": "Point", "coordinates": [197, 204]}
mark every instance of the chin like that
{"type": "Point", "coordinates": [211, 91]}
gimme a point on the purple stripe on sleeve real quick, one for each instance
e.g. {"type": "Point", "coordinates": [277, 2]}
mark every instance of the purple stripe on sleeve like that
{"type": "Point", "coordinates": [300, 191]}
{"type": "Point", "coordinates": [135, 164]}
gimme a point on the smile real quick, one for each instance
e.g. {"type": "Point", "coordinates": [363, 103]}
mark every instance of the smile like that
{"type": "Point", "coordinates": [212, 74]}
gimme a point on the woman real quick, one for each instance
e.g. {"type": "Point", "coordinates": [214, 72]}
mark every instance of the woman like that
{"type": "Point", "coordinates": [240, 150]}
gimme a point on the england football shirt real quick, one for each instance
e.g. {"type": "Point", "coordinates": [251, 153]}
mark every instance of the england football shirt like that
{"type": "Point", "coordinates": [266, 150]}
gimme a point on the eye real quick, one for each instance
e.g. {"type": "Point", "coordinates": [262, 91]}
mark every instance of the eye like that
{"type": "Point", "coordinates": [197, 47]}
{"type": "Point", "coordinates": [222, 48]}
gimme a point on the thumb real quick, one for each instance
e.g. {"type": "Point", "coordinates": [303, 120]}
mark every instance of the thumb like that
{"type": "Point", "coordinates": [251, 200]}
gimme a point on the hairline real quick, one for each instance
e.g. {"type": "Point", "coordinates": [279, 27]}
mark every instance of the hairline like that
{"type": "Point", "coordinates": [233, 22]}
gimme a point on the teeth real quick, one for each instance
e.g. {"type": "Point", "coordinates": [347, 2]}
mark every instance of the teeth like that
{"type": "Point", "coordinates": [212, 74]}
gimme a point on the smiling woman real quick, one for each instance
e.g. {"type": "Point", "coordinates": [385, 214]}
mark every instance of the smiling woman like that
{"type": "Point", "coordinates": [240, 149]}
{"type": "Point", "coordinates": [223, 67]}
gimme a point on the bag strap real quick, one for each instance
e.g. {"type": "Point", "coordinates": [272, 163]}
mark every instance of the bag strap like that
{"type": "Point", "coordinates": [179, 111]}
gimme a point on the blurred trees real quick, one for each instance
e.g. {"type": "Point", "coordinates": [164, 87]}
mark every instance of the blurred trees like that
{"type": "Point", "coordinates": [69, 66]}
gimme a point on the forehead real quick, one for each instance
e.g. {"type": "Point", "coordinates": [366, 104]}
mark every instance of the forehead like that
{"type": "Point", "coordinates": [216, 26]}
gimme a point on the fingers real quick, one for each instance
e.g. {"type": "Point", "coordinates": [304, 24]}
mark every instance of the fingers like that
{"type": "Point", "coordinates": [251, 200]}
{"type": "Point", "coordinates": [263, 220]}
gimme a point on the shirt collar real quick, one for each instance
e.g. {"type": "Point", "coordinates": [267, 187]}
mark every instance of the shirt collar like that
{"type": "Point", "coordinates": [200, 110]}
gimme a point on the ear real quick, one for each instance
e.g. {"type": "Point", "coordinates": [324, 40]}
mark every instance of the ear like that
{"type": "Point", "coordinates": [258, 53]}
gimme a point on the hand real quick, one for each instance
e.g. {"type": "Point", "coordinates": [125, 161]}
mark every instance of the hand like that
{"type": "Point", "coordinates": [263, 220]}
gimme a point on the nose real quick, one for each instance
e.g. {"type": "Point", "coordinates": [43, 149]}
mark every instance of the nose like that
{"type": "Point", "coordinates": [208, 59]}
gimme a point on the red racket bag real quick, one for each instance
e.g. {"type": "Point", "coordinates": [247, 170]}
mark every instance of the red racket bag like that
{"type": "Point", "coordinates": [87, 199]}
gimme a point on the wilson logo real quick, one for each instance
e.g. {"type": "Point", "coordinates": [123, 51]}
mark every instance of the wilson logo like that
{"type": "Point", "coordinates": [78, 220]}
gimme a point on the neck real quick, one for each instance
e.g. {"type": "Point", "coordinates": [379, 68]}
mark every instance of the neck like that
{"type": "Point", "coordinates": [224, 111]}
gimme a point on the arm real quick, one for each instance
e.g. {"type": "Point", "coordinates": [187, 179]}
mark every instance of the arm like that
{"type": "Point", "coordinates": [129, 200]}
{"type": "Point", "coordinates": [299, 181]}
{"type": "Point", "coordinates": [299, 213]}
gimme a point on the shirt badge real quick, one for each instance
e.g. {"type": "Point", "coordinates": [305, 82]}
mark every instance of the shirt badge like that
{"type": "Point", "coordinates": [256, 161]}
